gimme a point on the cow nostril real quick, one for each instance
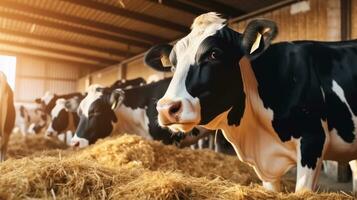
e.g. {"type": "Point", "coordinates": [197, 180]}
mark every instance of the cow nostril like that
{"type": "Point", "coordinates": [75, 144]}
{"type": "Point", "coordinates": [175, 108]}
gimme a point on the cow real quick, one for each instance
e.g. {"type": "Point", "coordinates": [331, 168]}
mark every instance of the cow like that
{"type": "Point", "coordinates": [280, 105]}
{"type": "Point", "coordinates": [105, 111]}
{"type": "Point", "coordinates": [7, 115]}
{"type": "Point", "coordinates": [30, 120]}
{"type": "Point", "coordinates": [64, 118]}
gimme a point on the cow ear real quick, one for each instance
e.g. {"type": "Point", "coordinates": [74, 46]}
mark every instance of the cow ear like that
{"type": "Point", "coordinates": [157, 57]}
{"type": "Point", "coordinates": [257, 36]}
{"type": "Point", "coordinates": [116, 98]}
{"type": "Point", "coordinates": [38, 100]}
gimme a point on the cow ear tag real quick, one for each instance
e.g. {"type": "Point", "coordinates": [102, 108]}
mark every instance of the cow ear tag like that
{"type": "Point", "coordinates": [165, 61]}
{"type": "Point", "coordinates": [255, 45]}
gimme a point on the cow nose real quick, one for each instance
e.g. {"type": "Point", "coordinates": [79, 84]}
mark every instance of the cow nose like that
{"type": "Point", "coordinates": [170, 110]}
{"type": "Point", "coordinates": [75, 144]}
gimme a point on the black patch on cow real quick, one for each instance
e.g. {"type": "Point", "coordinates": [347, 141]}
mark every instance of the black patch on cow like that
{"type": "Point", "coordinates": [211, 79]}
{"type": "Point", "coordinates": [22, 111]}
{"type": "Point", "coordinates": [98, 124]}
{"type": "Point", "coordinates": [126, 83]}
{"type": "Point", "coordinates": [60, 122]}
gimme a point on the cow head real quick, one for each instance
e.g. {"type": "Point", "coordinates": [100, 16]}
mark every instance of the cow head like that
{"type": "Point", "coordinates": [207, 81]}
{"type": "Point", "coordinates": [97, 114]}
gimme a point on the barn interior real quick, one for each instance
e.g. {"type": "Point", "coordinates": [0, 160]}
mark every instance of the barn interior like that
{"type": "Point", "coordinates": [64, 46]}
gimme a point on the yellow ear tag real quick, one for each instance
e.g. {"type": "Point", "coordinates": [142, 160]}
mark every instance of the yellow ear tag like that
{"type": "Point", "coordinates": [114, 105]}
{"type": "Point", "coordinates": [166, 61]}
{"type": "Point", "coordinates": [255, 46]}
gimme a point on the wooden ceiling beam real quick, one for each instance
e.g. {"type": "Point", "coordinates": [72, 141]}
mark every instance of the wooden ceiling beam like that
{"type": "Point", "coordinates": [175, 4]}
{"type": "Point", "coordinates": [52, 58]}
{"type": "Point", "coordinates": [58, 51]}
{"type": "Point", "coordinates": [130, 14]}
{"type": "Point", "coordinates": [73, 29]}
{"type": "Point", "coordinates": [221, 8]}
{"type": "Point", "coordinates": [109, 51]}
{"type": "Point", "coordinates": [80, 21]}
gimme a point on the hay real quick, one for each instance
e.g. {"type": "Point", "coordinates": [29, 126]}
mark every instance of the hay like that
{"type": "Point", "coordinates": [20, 146]}
{"type": "Point", "coordinates": [129, 167]}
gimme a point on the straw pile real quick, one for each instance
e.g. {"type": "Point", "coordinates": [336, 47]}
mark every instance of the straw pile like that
{"type": "Point", "coordinates": [129, 167]}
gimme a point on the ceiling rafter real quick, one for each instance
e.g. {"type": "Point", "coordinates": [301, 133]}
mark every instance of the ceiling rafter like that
{"type": "Point", "coordinates": [58, 51]}
{"type": "Point", "coordinates": [109, 51]}
{"type": "Point", "coordinates": [175, 4]}
{"type": "Point", "coordinates": [73, 29]}
{"type": "Point", "coordinates": [78, 20]}
{"type": "Point", "coordinates": [130, 14]}
{"type": "Point", "coordinates": [218, 7]}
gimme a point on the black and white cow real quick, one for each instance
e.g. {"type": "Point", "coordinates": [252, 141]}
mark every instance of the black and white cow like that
{"type": "Point", "coordinates": [64, 118]}
{"type": "Point", "coordinates": [280, 105]}
{"type": "Point", "coordinates": [105, 111]}
{"type": "Point", "coordinates": [7, 115]}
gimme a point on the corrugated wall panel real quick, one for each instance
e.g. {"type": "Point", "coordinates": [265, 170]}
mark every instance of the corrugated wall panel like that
{"type": "Point", "coordinates": [28, 89]}
{"type": "Point", "coordinates": [137, 68]}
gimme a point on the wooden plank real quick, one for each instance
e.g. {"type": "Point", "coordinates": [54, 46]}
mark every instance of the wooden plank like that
{"type": "Point", "coordinates": [52, 58]}
{"type": "Point", "coordinates": [80, 21]}
{"type": "Point", "coordinates": [175, 4]}
{"type": "Point", "coordinates": [59, 51]}
{"type": "Point", "coordinates": [109, 51]}
{"type": "Point", "coordinates": [73, 29]}
{"type": "Point", "coordinates": [130, 14]}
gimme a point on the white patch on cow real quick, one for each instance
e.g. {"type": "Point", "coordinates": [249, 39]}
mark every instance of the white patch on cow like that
{"type": "Point", "coordinates": [353, 165]}
{"type": "Point", "coordinates": [47, 97]}
{"type": "Point", "coordinates": [60, 105]}
{"type": "Point", "coordinates": [272, 186]}
{"type": "Point", "coordinates": [341, 94]}
{"type": "Point", "coordinates": [31, 129]}
{"type": "Point", "coordinates": [92, 95]}
{"type": "Point", "coordinates": [132, 121]}
{"type": "Point", "coordinates": [82, 141]}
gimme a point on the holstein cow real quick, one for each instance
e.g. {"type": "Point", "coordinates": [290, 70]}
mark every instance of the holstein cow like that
{"type": "Point", "coordinates": [64, 118]}
{"type": "Point", "coordinates": [105, 111]}
{"type": "Point", "coordinates": [280, 105]}
{"type": "Point", "coordinates": [7, 115]}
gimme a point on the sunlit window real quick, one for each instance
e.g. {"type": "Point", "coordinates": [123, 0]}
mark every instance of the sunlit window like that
{"type": "Point", "coordinates": [8, 66]}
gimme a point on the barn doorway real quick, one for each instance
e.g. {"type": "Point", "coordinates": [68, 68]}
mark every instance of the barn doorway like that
{"type": "Point", "coordinates": [8, 66]}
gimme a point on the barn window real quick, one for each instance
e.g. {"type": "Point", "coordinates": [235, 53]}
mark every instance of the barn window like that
{"type": "Point", "coordinates": [8, 66]}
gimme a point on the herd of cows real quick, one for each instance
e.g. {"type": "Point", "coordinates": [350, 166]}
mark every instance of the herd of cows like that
{"type": "Point", "coordinates": [279, 105]}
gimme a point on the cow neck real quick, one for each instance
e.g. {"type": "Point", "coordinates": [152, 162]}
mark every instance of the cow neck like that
{"type": "Point", "coordinates": [255, 140]}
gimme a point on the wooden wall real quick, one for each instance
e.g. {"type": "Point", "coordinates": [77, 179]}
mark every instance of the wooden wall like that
{"type": "Point", "coordinates": [321, 22]}
{"type": "Point", "coordinates": [35, 76]}
{"type": "Point", "coordinates": [354, 20]}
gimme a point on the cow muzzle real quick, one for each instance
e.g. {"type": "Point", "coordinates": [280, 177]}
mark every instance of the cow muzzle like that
{"type": "Point", "coordinates": [178, 115]}
{"type": "Point", "coordinates": [78, 142]}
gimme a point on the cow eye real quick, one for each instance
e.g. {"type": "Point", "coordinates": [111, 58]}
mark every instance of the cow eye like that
{"type": "Point", "coordinates": [213, 55]}
{"type": "Point", "coordinates": [173, 69]}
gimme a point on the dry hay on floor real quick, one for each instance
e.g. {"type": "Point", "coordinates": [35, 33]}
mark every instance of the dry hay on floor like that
{"type": "Point", "coordinates": [20, 146]}
{"type": "Point", "coordinates": [129, 167]}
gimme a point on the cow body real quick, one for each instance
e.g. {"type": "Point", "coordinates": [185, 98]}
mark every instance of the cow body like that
{"type": "Point", "coordinates": [126, 84]}
{"type": "Point", "coordinates": [7, 115]}
{"type": "Point", "coordinates": [48, 101]}
{"type": "Point", "coordinates": [287, 104]}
